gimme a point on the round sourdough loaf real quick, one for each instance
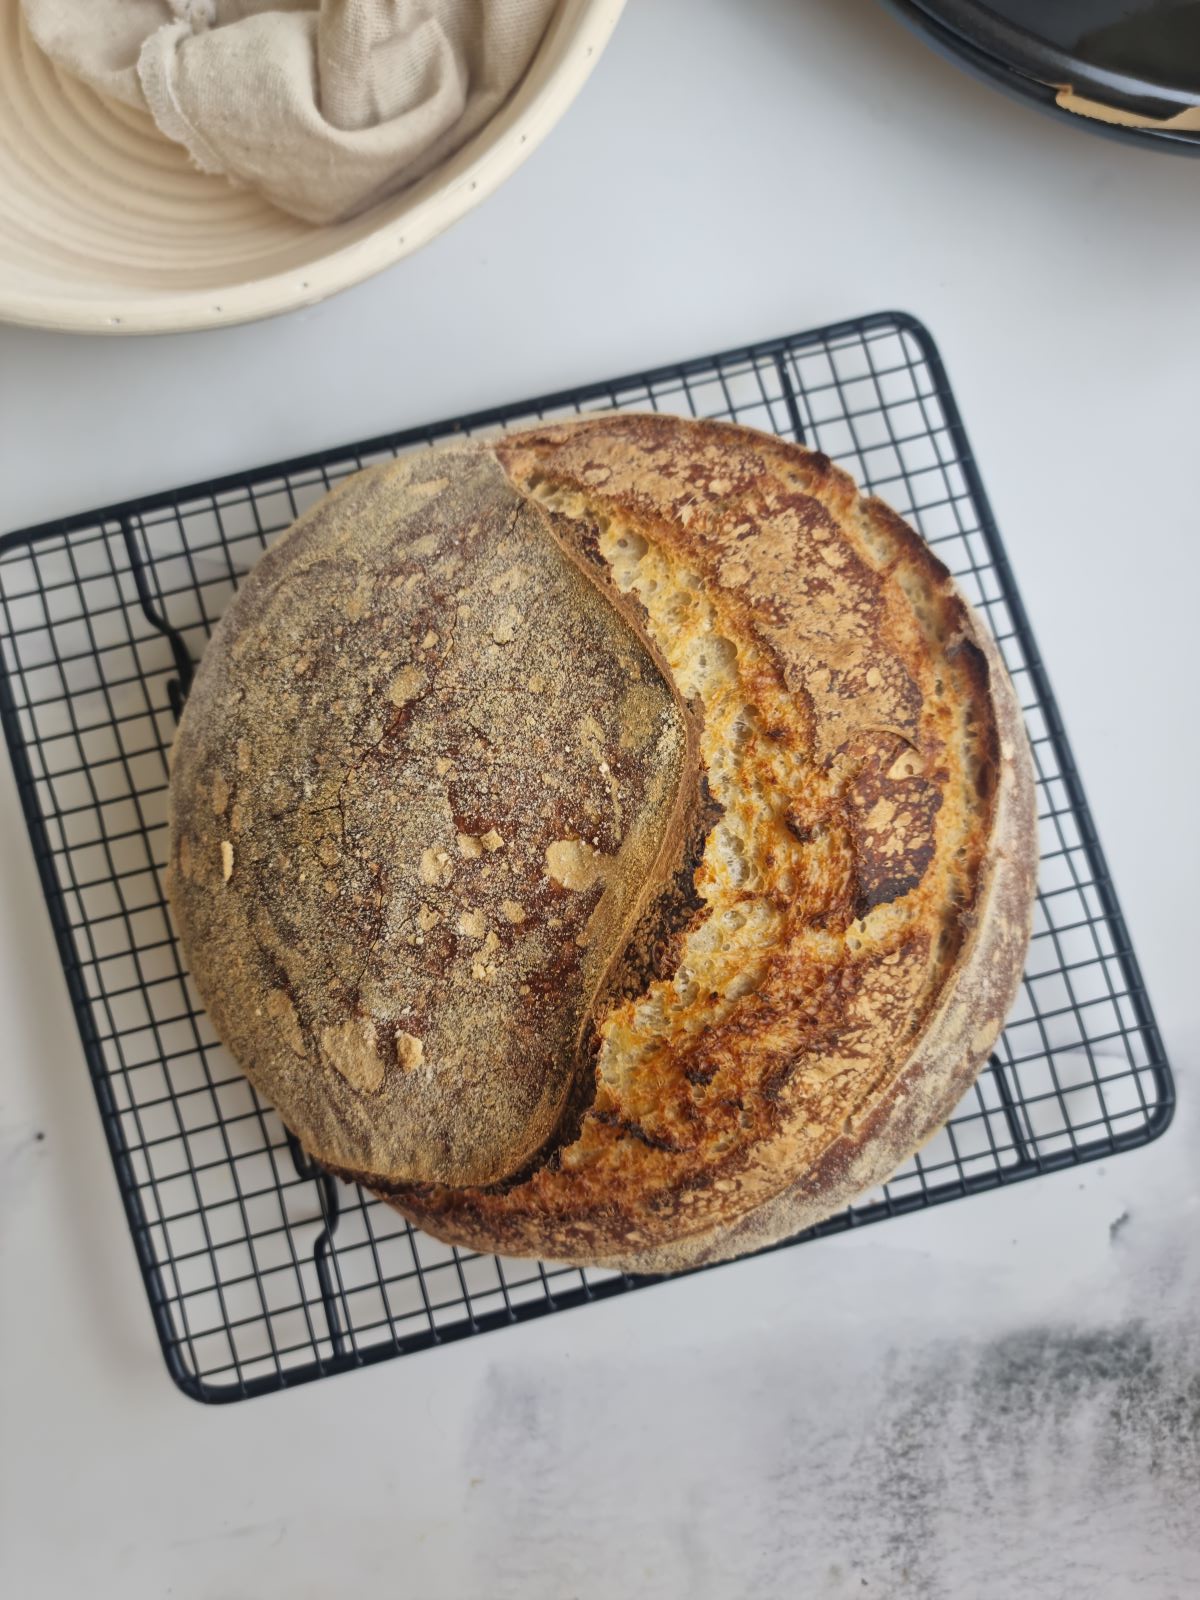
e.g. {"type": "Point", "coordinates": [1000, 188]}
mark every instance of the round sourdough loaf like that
{"type": "Point", "coordinates": [614, 842]}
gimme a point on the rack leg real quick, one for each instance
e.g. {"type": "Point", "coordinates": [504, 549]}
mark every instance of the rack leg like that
{"type": "Point", "coordinates": [331, 1212]}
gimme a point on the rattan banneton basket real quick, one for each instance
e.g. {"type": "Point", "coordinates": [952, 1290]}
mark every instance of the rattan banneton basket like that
{"type": "Point", "coordinates": [106, 227]}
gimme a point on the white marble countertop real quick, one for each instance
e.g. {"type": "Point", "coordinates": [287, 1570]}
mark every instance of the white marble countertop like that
{"type": "Point", "coordinates": [997, 1399]}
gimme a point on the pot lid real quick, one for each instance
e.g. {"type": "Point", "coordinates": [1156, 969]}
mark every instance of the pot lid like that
{"type": "Point", "coordinates": [1137, 59]}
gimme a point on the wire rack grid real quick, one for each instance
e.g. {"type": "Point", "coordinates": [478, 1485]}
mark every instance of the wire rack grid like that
{"type": "Point", "coordinates": [261, 1271]}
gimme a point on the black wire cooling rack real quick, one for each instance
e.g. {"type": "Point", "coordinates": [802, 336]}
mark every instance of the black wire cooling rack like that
{"type": "Point", "coordinates": [262, 1272]}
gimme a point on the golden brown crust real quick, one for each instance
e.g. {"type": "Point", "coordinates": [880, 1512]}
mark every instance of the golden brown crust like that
{"type": "Point", "coordinates": [844, 783]}
{"type": "Point", "coordinates": [841, 1062]}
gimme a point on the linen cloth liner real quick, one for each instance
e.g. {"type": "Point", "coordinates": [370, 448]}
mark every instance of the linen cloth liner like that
{"type": "Point", "coordinates": [322, 106]}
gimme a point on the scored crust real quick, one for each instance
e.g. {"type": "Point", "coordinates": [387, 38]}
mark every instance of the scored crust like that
{"type": "Point", "coordinates": [774, 907]}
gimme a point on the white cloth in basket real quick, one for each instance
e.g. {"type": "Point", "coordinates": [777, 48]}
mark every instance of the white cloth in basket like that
{"type": "Point", "coordinates": [323, 106]}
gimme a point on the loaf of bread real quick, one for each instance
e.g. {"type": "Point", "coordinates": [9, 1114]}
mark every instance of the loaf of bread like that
{"type": "Point", "coordinates": [613, 843]}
